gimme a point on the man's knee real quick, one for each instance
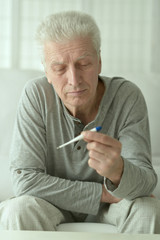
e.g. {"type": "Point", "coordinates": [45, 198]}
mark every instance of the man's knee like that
{"type": "Point", "coordinates": [145, 215]}
{"type": "Point", "coordinates": [147, 207]}
{"type": "Point", "coordinates": [11, 210]}
{"type": "Point", "coordinates": [18, 205]}
{"type": "Point", "coordinates": [29, 213]}
{"type": "Point", "coordinates": [13, 205]}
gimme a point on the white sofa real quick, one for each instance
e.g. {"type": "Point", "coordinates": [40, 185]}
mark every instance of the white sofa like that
{"type": "Point", "coordinates": [11, 84]}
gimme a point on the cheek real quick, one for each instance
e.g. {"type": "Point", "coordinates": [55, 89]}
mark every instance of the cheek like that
{"type": "Point", "coordinates": [93, 76]}
{"type": "Point", "coordinates": [58, 85]}
{"type": "Point", "coordinates": [99, 69]}
{"type": "Point", "coordinates": [52, 79]}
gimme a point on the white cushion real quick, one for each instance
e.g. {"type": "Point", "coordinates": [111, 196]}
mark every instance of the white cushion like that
{"type": "Point", "coordinates": [87, 227]}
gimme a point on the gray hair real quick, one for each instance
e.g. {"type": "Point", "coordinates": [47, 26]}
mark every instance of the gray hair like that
{"type": "Point", "coordinates": [67, 26]}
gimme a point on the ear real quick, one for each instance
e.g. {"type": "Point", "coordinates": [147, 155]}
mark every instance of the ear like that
{"type": "Point", "coordinates": [46, 73]}
{"type": "Point", "coordinates": [99, 64]}
{"type": "Point", "coordinates": [48, 79]}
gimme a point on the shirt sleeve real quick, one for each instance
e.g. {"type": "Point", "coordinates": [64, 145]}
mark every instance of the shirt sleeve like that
{"type": "Point", "coordinates": [28, 158]}
{"type": "Point", "coordinates": [139, 178]}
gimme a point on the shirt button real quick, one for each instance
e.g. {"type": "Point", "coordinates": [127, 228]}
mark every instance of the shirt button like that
{"type": "Point", "coordinates": [79, 147]}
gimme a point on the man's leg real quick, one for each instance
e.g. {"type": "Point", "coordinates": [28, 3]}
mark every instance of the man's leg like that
{"type": "Point", "coordinates": [30, 213]}
{"type": "Point", "coordinates": [141, 215]}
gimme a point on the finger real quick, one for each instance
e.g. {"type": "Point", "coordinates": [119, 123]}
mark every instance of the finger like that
{"type": "Point", "coordinates": [102, 156]}
{"type": "Point", "coordinates": [93, 163]}
{"type": "Point", "coordinates": [98, 156]}
{"type": "Point", "coordinates": [104, 149]}
{"type": "Point", "coordinates": [100, 162]}
{"type": "Point", "coordinates": [99, 137]}
{"type": "Point", "coordinates": [99, 166]}
{"type": "Point", "coordinates": [98, 147]}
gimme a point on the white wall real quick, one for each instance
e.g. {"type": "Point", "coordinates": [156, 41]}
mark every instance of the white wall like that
{"type": "Point", "coordinates": [130, 32]}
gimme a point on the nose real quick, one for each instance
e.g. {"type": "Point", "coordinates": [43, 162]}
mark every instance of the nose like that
{"type": "Point", "coordinates": [74, 78]}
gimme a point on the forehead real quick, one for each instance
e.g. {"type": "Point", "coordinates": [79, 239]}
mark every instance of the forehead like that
{"type": "Point", "coordinates": [75, 49]}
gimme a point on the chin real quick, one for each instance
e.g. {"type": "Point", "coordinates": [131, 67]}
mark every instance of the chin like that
{"type": "Point", "coordinates": [77, 103]}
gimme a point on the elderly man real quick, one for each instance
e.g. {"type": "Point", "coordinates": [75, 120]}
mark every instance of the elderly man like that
{"type": "Point", "coordinates": [108, 174]}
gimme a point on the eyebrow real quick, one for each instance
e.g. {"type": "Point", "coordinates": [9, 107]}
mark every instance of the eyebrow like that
{"type": "Point", "coordinates": [54, 62]}
{"type": "Point", "coordinates": [83, 56]}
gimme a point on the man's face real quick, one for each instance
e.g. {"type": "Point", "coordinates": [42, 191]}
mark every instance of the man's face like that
{"type": "Point", "coordinates": [72, 67]}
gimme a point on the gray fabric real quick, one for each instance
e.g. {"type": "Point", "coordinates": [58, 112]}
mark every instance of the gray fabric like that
{"type": "Point", "coordinates": [137, 216]}
{"type": "Point", "coordinates": [31, 213]}
{"type": "Point", "coordinates": [63, 177]}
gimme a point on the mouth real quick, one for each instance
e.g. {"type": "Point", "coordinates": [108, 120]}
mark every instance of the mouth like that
{"type": "Point", "coordinates": [77, 92]}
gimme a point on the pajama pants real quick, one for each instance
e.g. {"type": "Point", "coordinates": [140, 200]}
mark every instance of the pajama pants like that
{"type": "Point", "coordinates": [141, 215]}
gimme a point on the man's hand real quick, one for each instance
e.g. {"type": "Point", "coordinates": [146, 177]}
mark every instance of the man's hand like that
{"type": "Point", "coordinates": [104, 155]}
{"type": "Point", "coordinates": [107, 197]}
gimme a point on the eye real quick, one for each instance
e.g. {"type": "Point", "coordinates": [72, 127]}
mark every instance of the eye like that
{"type": "Point", "coordinates": [58, 69]}
{"type": "Point", "coordinates": [84, 65]}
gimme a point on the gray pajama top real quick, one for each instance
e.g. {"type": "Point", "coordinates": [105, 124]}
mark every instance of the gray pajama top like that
{"type": "Point", "coordinates": [63, 177]}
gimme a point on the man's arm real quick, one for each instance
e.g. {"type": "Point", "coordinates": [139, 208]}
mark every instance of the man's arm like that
{"type": "Point", "coordinates": [125, 162]}
{"type": "Point", "coordinates": [28, 162]}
